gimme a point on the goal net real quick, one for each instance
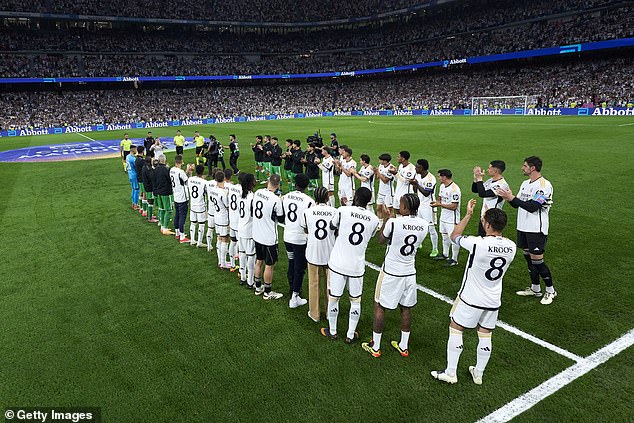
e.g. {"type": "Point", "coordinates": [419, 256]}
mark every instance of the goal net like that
{"type": "Point", "coordinates": [521, 103]}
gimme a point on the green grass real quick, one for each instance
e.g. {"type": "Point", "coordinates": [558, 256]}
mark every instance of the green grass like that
{"type": "Point", "coordinates": [98, 309]}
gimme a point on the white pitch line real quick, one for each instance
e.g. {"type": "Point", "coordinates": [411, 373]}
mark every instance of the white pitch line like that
{"type": "Point", "coordinates": [501, 324]}
{"type": "Point", "coordinates": [627, 124]}
{"type": "Point", "coordinates": [554, 384]}
{"type": "Point", "coordinates": [85, 136]}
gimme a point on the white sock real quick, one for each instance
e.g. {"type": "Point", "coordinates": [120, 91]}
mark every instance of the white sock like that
{"type": "Point", "coordinates": [376, 341]}
{"type": "Point", "coordinates": [446, 243]}
{"type": "Point", "coordinates": [333, 313]}
{"type": "Point", "coordinates": [484, 351]}
{"type": "Point", "coordinates": [355, 315]}
{"type": "Point", "coordinates": [232, 253]}
{"type": "Point", "coordinates": [182, 236]}
{"type": "Point", "coordinates": [550, 289]}
{"type": "Point", "coordinates": [250, 269]}
{"type": "Point", "coordinates": [536, 288]}
{"type": "Point", "coordinates": [433, 235]}
{"type": "Point", "coordinates": [192, 232]}
{"type": "Point", "coordinates": [210, 236]}
{"type": "Point", "coordinates": [331, 201]}
{"type": "Point", "coordinates": [404, 340]}
{"type": "Point", "coordinates": [223, 253]}
{"type": "Point", "coordinates": [455, 250]}
{"type": "Point", "coordinates": [221, 256]}
{"type": "Point", "coordinates": [243, 267]}
{"type": "Point", "coordinates": [178, 233]}
{"type": "Point", "coordinates": [454, 349]}
{"type": "Point", "coordinates": [201, 233]}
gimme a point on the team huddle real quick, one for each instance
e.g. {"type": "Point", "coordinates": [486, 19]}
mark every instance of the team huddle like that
{"type": "Point", "coordinates": [330, 243]}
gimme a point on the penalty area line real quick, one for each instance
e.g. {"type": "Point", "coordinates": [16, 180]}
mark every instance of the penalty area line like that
{"type": "Point", "coordinates": [500, 324]}
{"type": "Point", "coordinates": [555, 383]}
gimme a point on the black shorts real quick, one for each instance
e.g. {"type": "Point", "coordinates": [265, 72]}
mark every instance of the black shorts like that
{"type": "Point", "coordinates": [125, 154]}
{"type": "Point", "coordinates": [199, 150]}
{"type": "Point", "coordinates": [179, 150]}
{"type": "Point", "coordinates": [534, 242]}
{"type": "Point", "coordinates": [268, 253]}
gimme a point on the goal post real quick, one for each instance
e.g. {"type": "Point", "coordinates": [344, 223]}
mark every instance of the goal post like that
{"type": "Point", "coordinates": [520, 103]}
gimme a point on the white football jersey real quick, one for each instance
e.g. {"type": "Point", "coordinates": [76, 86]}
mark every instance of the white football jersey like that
{"type": "Point", "coordinates": [493, 202]}
{"type": "Point", "coordinates": [211, 210]}
{"type": "Point", "coordinates": [405, 234]}
{"type": "Point", "coordinates": [356, 226]}
{"type": "Point", "coordinates": [234, 192]}
{"type": "Point", "coordinates": [179, 185]}
{"type": "Point", "coordinates": [489, 259]}
{"type": "Point", "coordinates": [327, 173]}
{"type": "Point", "coordinates": [198, 193]}
{"type": "Point", "coordinates": [321, 237]}
{"type": "Point", "coordinates": [347, 182]}
{"type": "Point", "coordinates": [245, 211]}
{"type": "Point", "coordinates": [220, 204]}
{"type": "Point", "coordinates": [405, 173]}
{"type": "Point", "coordinates": [386, 188]}
{"type": "Point", "coordinates": [267, 208]}
{"type": "Point", "coordinates": [428, 183]}
{"type": "Point", "coordinates": [294, 203]}
{"type": "Point", "coordinates": [368, 172]}
{"type": "Point", "coordinates": [450, 194]}
{"type": "Point", "coordinates": [539, 190]}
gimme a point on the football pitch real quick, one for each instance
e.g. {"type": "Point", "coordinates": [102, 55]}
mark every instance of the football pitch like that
{"type": "Point", "coordinates": [98, 309]}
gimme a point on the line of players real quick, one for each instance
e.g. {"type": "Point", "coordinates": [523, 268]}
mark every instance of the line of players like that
{"type": "Point", "coordinates": [332, 243]}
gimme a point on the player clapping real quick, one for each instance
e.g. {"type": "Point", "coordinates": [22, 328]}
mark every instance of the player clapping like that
{"type": "Point", "coordinates": [449, 203]}
{"type": "Point", "coordinates": [488, 190]}
{"type": "Point", "coordinates": [220, 203]}
{"type": "Point", "coordinates": [396, 285]}
{"type": "Point", "coordinates": [246, 245]}
{"type": "Point", "coordinates": [479, 297]}
{"type": "Point", "coordinates": [198, 208]}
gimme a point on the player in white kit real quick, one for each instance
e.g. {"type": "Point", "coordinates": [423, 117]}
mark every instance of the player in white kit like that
{"type": "Point", "coordinates": [385, 195]}
{"type": "Point", "coordinates": [211, 210]}
{"type": "Point", "coordinates": [479, 297]}
{"type": "Point", "coordinates": [533, 204]}
{"type": "Point", "coordinates": [347, 165]}
{"type": "Point", "coordinates": [321, 239]}
{"type": "Point", "coordinates": [327, 166]}
{"type": "Point", "coordinates": [267, 212]}
{"type": "Point", "coordinates": [234, 192]}
{"type": "Point", "coordinates": [425, 185]}
{"type": "Point", "coordinates": [294, 203]}
{"type": "Point", "coordinates": [488, 190]}
{"type": "Point", "coordinates": [403, 175]}
{"type": "Point", "coordinates": [396, 285]}
{"type": "Point", "coordinates": [346, 264]}
{"type": "Point", "coordinates": [220, 204]}
{"type": "Point", "coordinates": [246, 245]}
{"type": "Point", "coordinates": [365, 174]}
{"type": "Point", "coordinates": [198, 206]}
{"type": "Point", "coordinates": [181, 197]}
{"type": "Point", "coordinates": [449, 201]}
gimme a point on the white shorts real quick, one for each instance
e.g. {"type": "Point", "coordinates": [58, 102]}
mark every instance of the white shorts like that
{"type": "Point", "coordinates": [210, 220]}
{"type": "Point", "coordinates": [386, 199]}
{"type": "Point", "coordinates": [246, 246]}
{"type": "Point", "coordinates": [347, 194]}
{"type": "Point", "coordinates": [222, 230]}
{"type": "Point", "coordinates": [446, 228]}
{"type": "Point", "coordinates": [470, 317]}
{"type": "Point", "coordinates": [233, 234]}
{"type": "Point", "coordinates": [394, 290]}
{"type": "Point", "coordinates": [197, 217]}
{"type": "Point", "coordinates": [396, 202]}
{"type": "Point", "coordinates": [426, 213]}
{"type": "Point", "coordinates": [338, 283]}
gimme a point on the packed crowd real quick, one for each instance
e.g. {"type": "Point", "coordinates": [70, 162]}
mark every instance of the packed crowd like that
{"type": "Point", "coordinates": [218, 10]}
{"type": "Point", "coordinates": [556, 84]}
{"type": "Point", "coordinates": [295, 53]}
{"type": "Point", "coordinates": [243, 215]}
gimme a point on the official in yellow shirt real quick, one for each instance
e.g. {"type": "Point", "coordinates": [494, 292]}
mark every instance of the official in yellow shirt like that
{"type": "Point", "coordinates": [200, 142]}
{"type": "Point", "coordinates": [179, 142]}
{"type": "Point", "coordinates": [124, 149]}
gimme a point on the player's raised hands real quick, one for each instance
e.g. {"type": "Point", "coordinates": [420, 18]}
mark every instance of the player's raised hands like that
{"type": "Point", "coordinates": [471, 206]}
{"type": "Point", "coordinates": [506, 194]}
{"type": "Point", "coordinates": [478, 173]}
